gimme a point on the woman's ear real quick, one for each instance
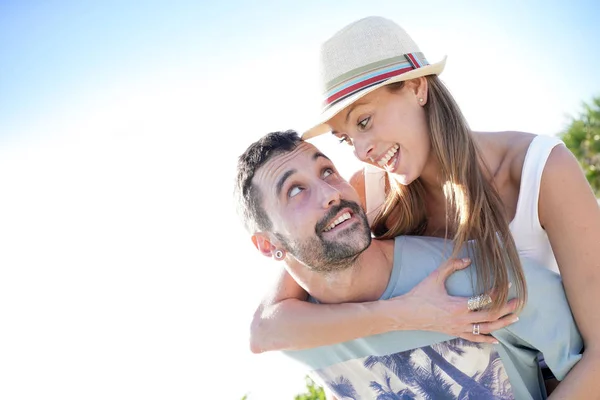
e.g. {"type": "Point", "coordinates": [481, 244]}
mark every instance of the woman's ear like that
{"type": "Point", "coordinates": [418, 87]}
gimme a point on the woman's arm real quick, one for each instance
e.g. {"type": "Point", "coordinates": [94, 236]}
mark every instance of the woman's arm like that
{"type": "Point", "coordinates": [286, 321]}
{"type": "Point", "coordinates": [570, 215]}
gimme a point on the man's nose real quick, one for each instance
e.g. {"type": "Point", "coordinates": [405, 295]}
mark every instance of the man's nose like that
{"type": "Point", "coordinates": [330, 196]}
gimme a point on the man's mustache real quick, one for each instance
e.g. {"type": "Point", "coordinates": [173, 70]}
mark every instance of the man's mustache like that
{"type": "Point", "coordinates": [333, 211]}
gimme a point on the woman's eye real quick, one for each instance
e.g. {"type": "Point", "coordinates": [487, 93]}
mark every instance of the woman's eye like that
{"type": "Point", "coordinates": [294, 191]}
{"type": "Point", "coordinates": [345, 139]}
{"type": "Point", "coordinates": [362, 124]}
{"type": "Point", "coordinates": [327, 172]}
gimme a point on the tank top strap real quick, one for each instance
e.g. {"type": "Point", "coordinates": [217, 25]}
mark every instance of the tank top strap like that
{"type": "Point", "coordinates": [374, 191]}
{"type": "Point", "coordinates": [526, 216]}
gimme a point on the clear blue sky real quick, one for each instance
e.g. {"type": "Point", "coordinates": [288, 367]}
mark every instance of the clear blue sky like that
{"type": "Point", "coordinates": [125, 273]}
{"type": "Point", "coordinates": [52, 52]}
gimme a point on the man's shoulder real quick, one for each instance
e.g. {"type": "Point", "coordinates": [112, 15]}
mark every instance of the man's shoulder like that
{"type": "Point", "coordinates": [415, 257]}
{"type": "Point", "coordinates": [426, 246]}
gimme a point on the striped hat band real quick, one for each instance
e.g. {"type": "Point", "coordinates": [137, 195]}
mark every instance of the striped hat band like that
{"type": "Point", "coordinates": [369, 75]}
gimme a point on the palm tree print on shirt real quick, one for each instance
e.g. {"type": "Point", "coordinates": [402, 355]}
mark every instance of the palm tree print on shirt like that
{"type": "Point", "coordinates": [387, 393]}
{"type": "Point", "coordinates": [456, 369]}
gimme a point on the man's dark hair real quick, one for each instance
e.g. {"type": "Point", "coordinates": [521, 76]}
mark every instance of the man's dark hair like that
{"type": "Point", "coordinates": [248, 196]}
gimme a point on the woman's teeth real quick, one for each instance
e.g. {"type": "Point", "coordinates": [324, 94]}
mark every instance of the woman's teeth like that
{"type": "Point", "coordinates": [388, 156]}
{"type": "Point", "coordinates": [338, 221]}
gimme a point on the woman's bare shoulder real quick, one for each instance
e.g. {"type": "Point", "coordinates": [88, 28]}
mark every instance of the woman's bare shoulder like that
{"type": "Point", "coordinates": [505, 151]}
{"type": "Point", "coordinates": [506, 139]}
{"type": "Point", "coordinates": [518, 146]}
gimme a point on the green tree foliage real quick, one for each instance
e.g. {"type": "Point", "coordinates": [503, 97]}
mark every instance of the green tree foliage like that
{"type": "Point", "coordinates": [314, 392]}
{"type": "Point", "coordinates": [582, 137]}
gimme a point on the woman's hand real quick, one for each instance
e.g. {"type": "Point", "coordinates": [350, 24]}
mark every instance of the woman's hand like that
{"type": "Point", "coordinates": [435, 310]}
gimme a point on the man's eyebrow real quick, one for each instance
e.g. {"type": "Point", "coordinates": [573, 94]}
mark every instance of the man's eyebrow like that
{"type": "Point", "coordinates": [319, 154]}
{"type": "Point", "coordinates": [282, 180]}
{"type": "Point", "coordinates": [291, 172]}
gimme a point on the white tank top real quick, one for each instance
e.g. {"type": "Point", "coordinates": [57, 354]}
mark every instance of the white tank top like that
{"type": "Point", "coordinates": [530, 238]}
{"type": "Point", "coordinates": [374, 191]}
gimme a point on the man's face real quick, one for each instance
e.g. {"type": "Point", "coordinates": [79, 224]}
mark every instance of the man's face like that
{"type": "Point", "coordinates": [315, 213]}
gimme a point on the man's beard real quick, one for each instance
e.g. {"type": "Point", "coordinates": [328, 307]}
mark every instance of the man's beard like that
{"type": "Point", "coordinates": [321, 255]}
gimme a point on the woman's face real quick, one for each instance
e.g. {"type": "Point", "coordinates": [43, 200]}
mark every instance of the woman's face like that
{"type": "Point", "coordinates": [388, 129]}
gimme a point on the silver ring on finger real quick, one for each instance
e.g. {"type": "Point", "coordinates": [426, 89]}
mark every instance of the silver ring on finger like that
{"type": "Point", "coordinates": [476, 303]}
{"type": "Point", "coordinates": [475, 329]}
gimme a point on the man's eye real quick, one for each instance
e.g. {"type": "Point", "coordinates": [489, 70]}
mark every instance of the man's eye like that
{"type": "Point", "coordinates": [294, 191]}
{"type": "Point", "coordinates": [327, 172]}
{"type": "Point", "coordinates": [362, 124]}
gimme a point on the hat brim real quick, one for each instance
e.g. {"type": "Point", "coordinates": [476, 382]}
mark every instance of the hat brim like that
{"type": "Point", "coordinates": [322, 127]}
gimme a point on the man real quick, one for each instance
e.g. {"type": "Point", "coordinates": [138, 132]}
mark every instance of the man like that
{"type": "Point", "coordinates": [315, 225]}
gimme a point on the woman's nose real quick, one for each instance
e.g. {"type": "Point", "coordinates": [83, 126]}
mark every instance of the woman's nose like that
{"type": "Point", "coordinates": [363, 150]}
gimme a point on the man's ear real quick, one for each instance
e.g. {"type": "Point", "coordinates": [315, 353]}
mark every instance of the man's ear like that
{"type": "Point", "coordinates": [262, 242]}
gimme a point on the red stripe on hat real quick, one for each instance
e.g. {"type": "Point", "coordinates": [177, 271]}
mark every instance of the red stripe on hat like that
{"type": "Point", "coordinates": [360, 85]}
{"type": "Point", "coordinates": [413, 60]}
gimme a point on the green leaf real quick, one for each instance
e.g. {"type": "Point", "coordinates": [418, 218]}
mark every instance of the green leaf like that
{"type": "Point", "coordinates": [582, 137]}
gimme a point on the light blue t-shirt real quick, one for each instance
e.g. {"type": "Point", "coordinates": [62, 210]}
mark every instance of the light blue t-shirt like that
{"type": "Point", "coordinates": [424, 365]}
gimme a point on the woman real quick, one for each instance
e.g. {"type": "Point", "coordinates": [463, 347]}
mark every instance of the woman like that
{"type": "Point", "coordinates": [385, 100]}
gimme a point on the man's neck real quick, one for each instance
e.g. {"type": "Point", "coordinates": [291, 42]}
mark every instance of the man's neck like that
{"type": "Point", "coordinates": [365, 280]}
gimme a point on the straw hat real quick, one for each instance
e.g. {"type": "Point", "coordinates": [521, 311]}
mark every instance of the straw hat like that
{"type": "Point", "coordinates": [362, 57]}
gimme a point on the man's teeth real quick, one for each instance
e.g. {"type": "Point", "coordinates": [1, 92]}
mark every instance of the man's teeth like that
{"type": "Point", "coordinates": [338, 221]}
{"type": "Point", "coordinates": [388, 156]}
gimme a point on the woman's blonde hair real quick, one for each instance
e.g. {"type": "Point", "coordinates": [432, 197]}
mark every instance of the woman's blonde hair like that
{"type": "Point", "coordinates": [474, 209]}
